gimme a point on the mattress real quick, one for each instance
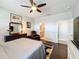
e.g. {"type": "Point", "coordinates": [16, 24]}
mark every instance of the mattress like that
{"type": "Point", "coordinates": [25, 48]}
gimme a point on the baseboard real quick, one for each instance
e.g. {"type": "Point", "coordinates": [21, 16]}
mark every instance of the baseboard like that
{"type": "Point", "coordinates": [62, 42]}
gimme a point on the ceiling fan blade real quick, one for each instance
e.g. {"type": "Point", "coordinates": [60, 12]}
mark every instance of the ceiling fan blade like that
{"type": "Point", "coordinates": [39, 10]}
{"type": "Point", "coordinates": [26, 6]}
{"type": "Point", "coordinates": [31, 11]}
{"type": "Point", "coordinates": [31, 1]}
{"type": "Point", "coordinates": [41, 5]}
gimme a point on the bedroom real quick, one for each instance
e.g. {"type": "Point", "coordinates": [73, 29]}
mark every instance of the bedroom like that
{"type": "Point", "coordinates": [55, 13]}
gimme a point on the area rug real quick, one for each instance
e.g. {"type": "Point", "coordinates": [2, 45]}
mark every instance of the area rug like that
{"type": "Point", "coordinates": [48, 52]}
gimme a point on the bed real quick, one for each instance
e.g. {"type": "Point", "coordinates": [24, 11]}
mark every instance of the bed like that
{"type": "Point", "coordinates": [24, 48]}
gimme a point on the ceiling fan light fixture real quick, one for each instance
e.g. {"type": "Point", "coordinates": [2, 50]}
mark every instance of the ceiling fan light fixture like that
{"type": "Point", "coordinates": [34, 8]}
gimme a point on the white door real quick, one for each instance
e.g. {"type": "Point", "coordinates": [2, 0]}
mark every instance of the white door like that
{"type": "Point", "coordinates": [63, 30]}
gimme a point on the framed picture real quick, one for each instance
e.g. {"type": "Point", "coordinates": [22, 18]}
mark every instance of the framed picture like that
{"type": "Point", "coordinates": [28, 24]}
{"type": "Point", "coordinates": [15, 18]}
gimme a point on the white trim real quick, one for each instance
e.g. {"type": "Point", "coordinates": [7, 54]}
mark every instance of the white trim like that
{"type": "Point", "coordinates": [62, 42]}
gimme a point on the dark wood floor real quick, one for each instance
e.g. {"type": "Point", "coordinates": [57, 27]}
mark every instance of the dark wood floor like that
{"type": "Point", "coordinates": [59, 52]}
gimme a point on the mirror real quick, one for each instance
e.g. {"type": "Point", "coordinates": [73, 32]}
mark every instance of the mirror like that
{"type": "Point", "coordinates": [15, 28]}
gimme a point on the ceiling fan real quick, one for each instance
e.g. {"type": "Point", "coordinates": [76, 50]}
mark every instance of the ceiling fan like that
{"type": "Point", "coordinates": [34, 6]}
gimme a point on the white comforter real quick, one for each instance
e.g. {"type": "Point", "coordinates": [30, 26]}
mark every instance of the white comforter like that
{"type": "Point", "coordinates": [25, 49]}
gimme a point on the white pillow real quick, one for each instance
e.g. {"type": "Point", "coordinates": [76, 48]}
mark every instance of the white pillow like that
{"type": "Point", "coordinates": [3, 54]}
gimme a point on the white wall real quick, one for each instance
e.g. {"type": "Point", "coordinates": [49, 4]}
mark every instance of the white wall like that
{"type": "Point", "coordinates": [25, 29]}
{"type": "Point", "coordinates": [75, 10]}
{"type": "Point", "coordinates": [75, 13]}
{"type": "Point", "coordinates": [51, 25]}
{"type": "Point", "coordinates": [4, 22]}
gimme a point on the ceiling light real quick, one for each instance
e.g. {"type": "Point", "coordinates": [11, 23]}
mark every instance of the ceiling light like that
{"type": "Point", "coordinates": [34, 8]}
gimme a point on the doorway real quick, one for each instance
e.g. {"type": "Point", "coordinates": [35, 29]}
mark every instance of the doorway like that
{"type": "Point", "coordinates": [42, 30]}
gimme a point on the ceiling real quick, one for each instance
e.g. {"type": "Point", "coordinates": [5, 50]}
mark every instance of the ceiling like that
{"type": "Point", "coordinates": [53, 7]}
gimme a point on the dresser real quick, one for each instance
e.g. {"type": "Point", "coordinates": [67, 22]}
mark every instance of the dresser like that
{"type": "Point", "coordinates": [14, 37]}
{"type": "Point", "coordinates": [73, 52]}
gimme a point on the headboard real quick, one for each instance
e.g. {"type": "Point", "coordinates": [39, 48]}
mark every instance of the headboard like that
{"type": "Point", "coordinates": [14, 37]}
